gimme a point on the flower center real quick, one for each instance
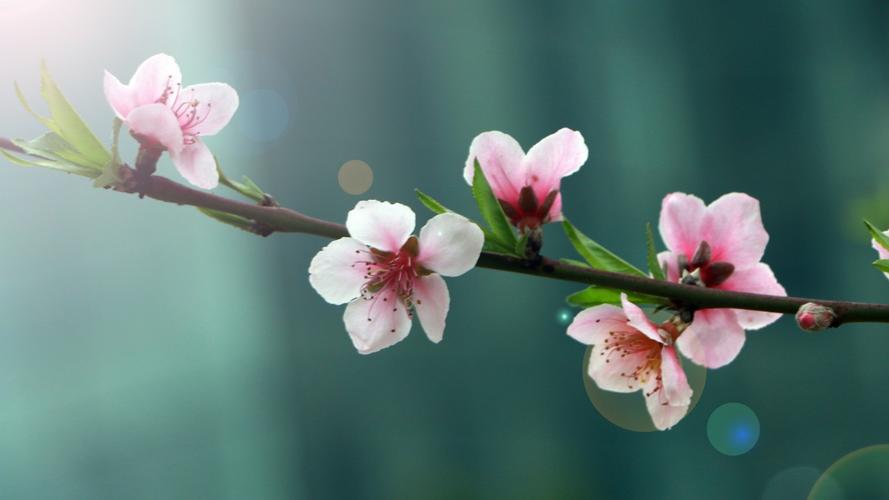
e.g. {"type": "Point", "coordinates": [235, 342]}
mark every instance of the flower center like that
{"type": "Point", "coordinates": [391, 275]}
{"type": "Point", "coordinates": [701, 270]}
{"type": "Point", "coordinates": [646, 352]}
{"type": "Point", "coordinates": [528, 212]}
{"type": "Point", "coordinates": [188, 109]}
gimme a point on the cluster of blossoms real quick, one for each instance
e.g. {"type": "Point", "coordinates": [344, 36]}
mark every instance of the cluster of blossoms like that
{"type": "Point", "coordinates": [386, 275]}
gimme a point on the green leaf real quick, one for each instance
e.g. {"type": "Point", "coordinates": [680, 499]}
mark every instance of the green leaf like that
{"type": "Point", "coordinates": [596, 255]}
{"type": "Point", "coordinates": [247, 187]}
{"type": "Point", "coordinates": [501, 230]}
{"type": "Point", "coordinates": [521, 245]}
{"type": "Point", "coordinates": [52, 146]}
{"type": "Point", "coordinates": [574, 262]}
{"type": "Point", "coordinates": [431, 203]}
{"type": "Point", "coordinates": [594, 295]}
{"type": "Point", "coordinates": [878, 235]}
{"type": "Point", "coordinates": [882, 265]}
{"type": "Point", "coordinates": [111, 173]}
{"type": "Point", "coordinates": [68, 124]}
{"type": "Point", "coordinates": [47, 163]}
{"type": "Point", "coordinates": [230, 219]}
{"type": "Point", "coordinates": [653, 265]}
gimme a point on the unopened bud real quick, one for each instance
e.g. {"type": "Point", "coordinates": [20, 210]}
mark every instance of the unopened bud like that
{"type": "Point", "coordinates": [813, 317]}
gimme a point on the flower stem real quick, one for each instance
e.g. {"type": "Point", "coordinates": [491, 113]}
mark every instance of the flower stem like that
{"type": "Point", "coordinates": [285, 220]}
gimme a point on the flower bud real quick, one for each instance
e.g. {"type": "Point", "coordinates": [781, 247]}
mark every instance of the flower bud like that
{"type": "Point", "coordinates": [813, 317]}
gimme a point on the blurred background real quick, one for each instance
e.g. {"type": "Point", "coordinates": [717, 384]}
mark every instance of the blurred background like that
{"type": "Point", "coordinates": [148, 352]}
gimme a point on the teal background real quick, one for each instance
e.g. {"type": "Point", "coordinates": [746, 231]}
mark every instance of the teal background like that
{"type": "Point", "coordinates": [148, 352]}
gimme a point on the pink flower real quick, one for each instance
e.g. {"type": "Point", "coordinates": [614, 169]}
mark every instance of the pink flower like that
{"type": "Point", "coordinates": [631, 353]}
{"type": "Point", "coordinates": [527, 185]}
{"type": "Point", "coordinates": [882, 252]}
{"type": "Point", "coordinates": [163, 115]}
{"type": "Point", "coordinates": [385, 274]}
{"type": "Point", "coordinates": [717, 246]}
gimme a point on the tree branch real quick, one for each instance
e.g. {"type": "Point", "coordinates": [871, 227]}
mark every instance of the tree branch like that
{"type": "Point", "coordinates": [280, 219]}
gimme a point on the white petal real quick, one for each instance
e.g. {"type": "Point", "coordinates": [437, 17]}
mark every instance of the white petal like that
{"type": "Point", "coordinates": [336, 273]}
{"type": "Point", "coordinates": [431, 303]}
{"type": "Point", "coordinates": [196, 163]}
{"type": "Point", "coordinates": [637, 318]}
{"type": "Point", "coordinates": [450, 245]}
{"type": "Point", "coordinates": [375, 324]}
{"type": "Point", "coordinates": [663, 414]}
{"type": "Point", "coordinates": [592, 326]}
{"type": "Point", "coordinates": [380, 224]}
{"type": "Point", "coordinates": [713, 339]}
{"type": "Point", "coordinates": [153, 77]}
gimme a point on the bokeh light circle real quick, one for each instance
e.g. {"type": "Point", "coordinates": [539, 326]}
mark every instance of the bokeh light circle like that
{"type": "Point", "coordinates": [627, 410]}
{"type": "Point", "coordinates": [564, 316]}
{"type": "Point", "coordinates": [733, 429]}
{"type": "Point", "coordinates": [795, 482]}
{"type": "Point", "coordinates": [263, 115]}
{"type": "Point", "coordinates": [355, 177]}
{"type": "Point", "coordinates": [861, 474]}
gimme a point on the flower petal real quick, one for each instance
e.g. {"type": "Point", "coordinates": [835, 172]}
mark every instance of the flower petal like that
{"type": "Point", "coordinates": [557, 155]}
{"type": "Point", "coordinates": [713, 339]}
{"type": "Point", "coordinates": [431, 303]}
{"type": "Point", "coordinates": [196, 163]}
{"type": "Point", "coordinates": [637, 318]}
{"type": "Point", "coordinates": [336, 272]}
{"type": "Point", "coordinates": [215, 104]}
{"type": "Point", "coordinates": [663, 414]}
{"type": "Point", "coordinates": [733, 228]}
{"type": "Point", "coordinates": [614, 371]}
{"type": "Point", "coordinates": [675, 384]}
{"type": "Point", "coordinates": [154, 77]}
{"type": "Point", "coordinates": [156, 124]}
{"type": "Point", "coordinates": [119, 96]}
{"type": "Point", "coordinates": [375, 324]}
{"type": "Point", "coordinates": [380, 224]}
{"type": "Point", "coordinates": [592, 326]}
{"type": "Point", "coordinates": [682, 217]}
{"type": "Point", "coordinates": [501, 159]}
{"type": "Point", "coordinates": [669, 260]}
{"type": "Point", "coordinates": [882, 252]}
{"type": "Point", "coordinates": [450, 244]}
{"type": "Point", "coordinates": [755, 279]}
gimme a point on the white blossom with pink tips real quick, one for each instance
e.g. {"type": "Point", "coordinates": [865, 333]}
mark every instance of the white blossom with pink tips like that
{"type": "Point", "coordinates": [630, 353]}
{"type": "Point", "coordinates": [163, 115]}
{"type": "Point", "coordinates": [385, 274]}
{"type": "Point", "coordinates": [717, 246]}
{"type": "Point", "coordinates": [527, 185]}
{"type": "Point", "coordinates": [882, 252]}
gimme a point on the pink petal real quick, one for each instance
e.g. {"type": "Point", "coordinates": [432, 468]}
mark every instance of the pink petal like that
{"type": "Point", "coordinates": [670, 259]}
{"type": "Point", "coordinates": [380, 224]}
{"type": "Point", "coordinates": [555, 156]}
{"type": "Point", "coordinates": [713, 339]}
{"type": "Point", "coordinates": [675, 384]}
{"type": "Point", "coordinates": [758, 278]}
{"type": "Point", "coordinates": [431, 303]}
{"type": "Point", "coordinates": [154, 77]}
{"type": "Point", "coordinates": [500, 158]}
{"type": "Point", "coordinates": [681, 221]}
{"type": "Point", "coordinates": [882, 252]}
{"type": "Point", "coordinates": [335, 272]}
{"type": "Point", "coordinates": [376, 324]}
{"type": "Point", "coordinates": [663, 414]}
{"type": "Point", "coordinates": [155, 123]}
{"type": "Point", "coordinates": [450, 244]}
{"type": "Point", "coordinates": [637, 318]}
{"type": "Point", "coordinates": [196, 163]}
{"type": "Point", "coordinates": [555, 211]}
{"type": "Point", "coordinates": [613, 370]}
{"type": "Point", "coordinates": [216, 103]}
{"type": "Point", "coordinates": [119, 96]}
{"type": "Point", "coordinates": [592, 326]}
{"type": "Point", "coordinates": [734, 230]}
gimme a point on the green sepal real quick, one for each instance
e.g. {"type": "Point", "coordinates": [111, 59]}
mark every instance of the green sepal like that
{"type": "Point", "coordinates": [246, 187]}
{"type": "Point", "coordinates": [653, 265]}
{"type": "Point", "coordinates": [110, 175]}
{"type": "Point", "coordinates": [596, 255]}
{"type": "Point", "coordinates": [594, 295]}
{"type": "Point", "coordinates": [501, 232]}
{"type": "Point", "coordinates": [882, 265]}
